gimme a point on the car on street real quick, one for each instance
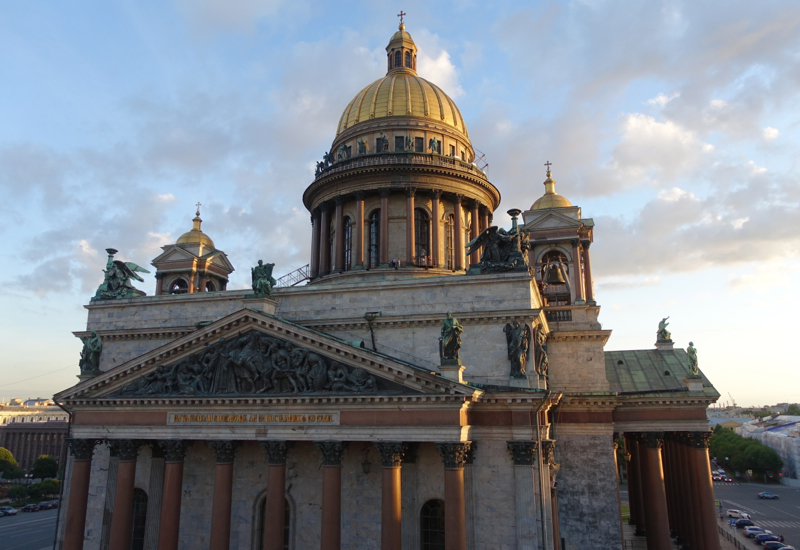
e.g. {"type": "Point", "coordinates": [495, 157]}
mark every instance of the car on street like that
{"type": "Point", "coordinates": [716, 477]}
{"type": "Point", "coordinates": [30, 508]}
{"type": "Point", "coordinates": [774, 545]}
{"type": "Point", "coordinates": [763, 539]}
{"type": "Point", "coordinates": [740, 523]}
{"type": "Point", "coordinates": [767, 495]}
{"type": "Point", "coordinates": [734, 513]}
{"type": "Point", "coordinates": [754, 530]}
{"type": "Point", "coordinates": [729, 480]}
{"type": "Point", "coordinates": [46, 505]}
{"type": "Point", "coordinates": [8, 511]}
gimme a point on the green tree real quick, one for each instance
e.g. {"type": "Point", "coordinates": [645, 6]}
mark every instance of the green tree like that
{"type": "Point", "coordinates": [10, 471]}
{"type": "Point", "coordinates": [6, 455]}
{"type": "Point", "coordinates": [45, 466]}
{"type": "Point", "coordinates": [17, 492]}
{"type": "Point", "coordinates": [44, 489]}
{"type": "Point", "coordinates": [793, 410]}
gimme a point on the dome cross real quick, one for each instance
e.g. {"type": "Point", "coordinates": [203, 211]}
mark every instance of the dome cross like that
{"type": "Point", "coordinates": [548, 164]}
{"type": "Point", "coordinates": [198, 209]}
{"type": "Point", "coordinates": [401, 15]}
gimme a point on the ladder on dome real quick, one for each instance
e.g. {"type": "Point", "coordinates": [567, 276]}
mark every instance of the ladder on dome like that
{"type": "Point", "coordinates": [294, 277]}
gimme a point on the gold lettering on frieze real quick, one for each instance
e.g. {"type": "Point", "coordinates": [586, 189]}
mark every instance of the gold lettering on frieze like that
{"type": "Point", "coordinates": [250, 418]}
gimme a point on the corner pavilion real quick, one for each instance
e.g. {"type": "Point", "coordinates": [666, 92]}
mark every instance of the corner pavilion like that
{"type": "Point", "coordinates": [322, 416]}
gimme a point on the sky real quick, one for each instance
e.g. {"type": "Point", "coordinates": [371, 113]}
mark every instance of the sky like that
{"type": "Point", "coordinates": [674, 125]}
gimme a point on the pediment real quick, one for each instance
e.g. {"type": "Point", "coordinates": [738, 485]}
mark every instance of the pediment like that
{"type": "Point", "coordinates": [250, 353]}
{"type": "Point", "coordinates": [173, 253]}
{"type": "Point", "coordinates": [552, 220]}
{"type": "Point", "coordinates": [220, 259]}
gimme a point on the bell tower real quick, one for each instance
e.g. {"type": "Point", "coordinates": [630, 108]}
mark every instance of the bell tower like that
{"type": "Point", "coordinates": [560, 241]}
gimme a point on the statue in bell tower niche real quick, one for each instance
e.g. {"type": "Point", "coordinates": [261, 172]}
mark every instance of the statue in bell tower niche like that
{"type": "Point", "coordinates": [450, 340]}
{"type": "Point", "coordinates": [90, 354]}
{"type": "Point", "coordinates": [663, 334]}
{"type": "Point", "coordinates": [117, 280]}
{"type": "Point", "coordinates": [691, 355]}
{"type": "Point", "coordinates": [540, 353]}
{"type": "Point", "coordinates": [518, 340]}
{"type": "Point", "coordinates": [262, 278]}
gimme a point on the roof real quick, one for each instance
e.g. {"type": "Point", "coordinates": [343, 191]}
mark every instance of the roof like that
{"type": "Point", "coordinates": [651, 371]}
{"type": "Point", "coordinates": [716, 420]}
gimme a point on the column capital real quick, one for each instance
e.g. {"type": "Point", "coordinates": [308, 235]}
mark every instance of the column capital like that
{"type": "Point", "coordinates": [410, 191]}
{"type": "Point", "coordinates": [458, 199]}
{"type": "Point", "coordinates": [276, 451]}
{"type": "Point", "coordinates": [338, 200]}
{"type": "Point", "coordinates": [586, 244]}
{"type": "Point", "coordinates": [331, 452]}
{"type": "Point", "coordinates": [436, 194]}
{"type": "Point", "coordinates": [484, 210]}
{"type": "Point", "coordinates": [315, 213]}
{"type": "Point", "coordinates": [155, 450]}
{"type": "Point", "coordinates": [698, 440]}
{"type": "Point", "coordinates": [360, 195]}
{"type": "Point", "coordinates": [224, 449]}
{"type": "Point", "coordinates": [385, 192]}
{"type": "Point", "coordinates": [81, 449]}
{"type": "Point", "coordinates": [454, 455]}
{"type": "Point", "coordinates": [392, 453]}
{"type": "Point", "coordinates": [475, 204]}
{"type": "Point", "coordinates": [324, 207]}
{"type": "Point", "coordinates": [127, 449]}
{"type": "Point", "coordinates": [652, 440]}
{"type": "Point", "coordinates": [174, 449]}
{"type": "Point", "coordinates": [469, 458]}
{"type": "Point", "coordinates": [523, 452]}
{"type": "Point", "coordinates": [574, 243]}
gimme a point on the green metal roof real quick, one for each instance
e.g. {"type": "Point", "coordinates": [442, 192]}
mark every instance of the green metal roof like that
{"type": "Point", "coordinates": [651, 371]}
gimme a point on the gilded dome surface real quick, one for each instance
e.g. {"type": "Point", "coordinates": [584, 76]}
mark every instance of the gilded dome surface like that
{"type": "Point", "coordinates": [195, 235]}
{"type": "Point", "coordinates": [551, 199]}
{"type": "Point", "coordinates": [402, 93]}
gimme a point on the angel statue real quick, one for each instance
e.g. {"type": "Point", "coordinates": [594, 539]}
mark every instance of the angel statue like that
{"type": "Point", "coordinates": [451, 337]}
{"type": "Point", "coordinates": [262, 278]}
{"type": "Point", "coordinates": [117, 281]}
{"type": "Point", "coordinates": [90, 354]}
{"type": "Point", "coordinates": [663, 333]}
{"type": "Point", "coordinates": [502, 251]}
{"type": "Point", "coordinates": [518, 340]}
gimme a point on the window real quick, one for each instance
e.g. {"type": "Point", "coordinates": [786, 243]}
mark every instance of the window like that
{"type": "Point", "coordinates": [139, 519]}
{"type": "Point", "coordinates": [422, 244]}
{"type": "Point", "coordinates": [464, 158]}
{"type": "Point", "coordinates": [431, 525]}
{"type": "Point", "coordinates": [179, 286]}
{"type": "Point", "coordinates": [555, 256]}
{"type": "Point", "coordinates": [452, 150]}
{"type": "Point", "coordinates": [374, 239]}
{"type": "Point", "coordinates": [449, 241]}
{"type": "Point", "coordinates": [419, 145]}
{"type": "Point", "coordinates": [408, 59]}
{"type": "Point", "coordinates": [210, 287]}
{"type": "Point", "coordinates": [399, 143]}
{"type": "Point", "coordinates": [258, 543]}
{"type": "Point", "coordinates": [398, 60]}
{"type": "Point", "coordinates": [347, 227]}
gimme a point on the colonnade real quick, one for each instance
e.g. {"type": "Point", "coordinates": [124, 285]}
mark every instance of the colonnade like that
{"type": "Point", "coordinates": [323, 262]}
{"type": "Point", "coordinates": [670, 489]}
{"type": "Point", "coordinates": [393, 453]}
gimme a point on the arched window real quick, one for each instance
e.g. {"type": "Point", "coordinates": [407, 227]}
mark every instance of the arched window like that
{"type": "Point", "coordinates": [374, 239]}
{"type": "Point", "coordinates": [422, 241]}
{"type": "Point", "coordinates": [347, 228]}
{"type": "Point", "coordinates": [210, 286]}
{"type": "Point", "coordinates": [555, 256]}
{"type": "Point", "coordinates": [450, 241]}
{"type": "Point", "coordinates": [398, 59]}
{"type": "Point", "coordinates": [258, 534]}
{"type": "Point", "coordinates": [179, 286]}
{"type": "Point", "coordinates": [139, 519]}
{"type": "Point", "coordinates": [431, 525]}
{"type": "Point", "coordinates": [408, 59]}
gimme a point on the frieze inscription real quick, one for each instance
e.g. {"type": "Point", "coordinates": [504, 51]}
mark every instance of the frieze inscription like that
{"type": "Point", "coordinates": [206, 419]}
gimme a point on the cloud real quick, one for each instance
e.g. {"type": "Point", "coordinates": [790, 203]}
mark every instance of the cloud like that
{"type": "Point", "coordinates": [770, 133]}
{"type": "Point", "coordinates": [239, 15]}
{"type": "Point", "coordinates": [661, 100]}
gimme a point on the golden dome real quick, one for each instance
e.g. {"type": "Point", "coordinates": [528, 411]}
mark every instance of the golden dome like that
{"type": "Point", "coordinates": [195, 235]}
{"type": "Point", "coordinates": [402, 92]}
{"type": "Point", "coordinates": [551, 199]}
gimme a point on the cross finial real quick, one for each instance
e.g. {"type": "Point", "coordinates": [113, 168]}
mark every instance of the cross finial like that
{"type": "Point", "coordinates": [548, 164]}
{"type": "Point", "coordinates": [198, 209]}
{"type": "Point", "coordinates": [401, 15]}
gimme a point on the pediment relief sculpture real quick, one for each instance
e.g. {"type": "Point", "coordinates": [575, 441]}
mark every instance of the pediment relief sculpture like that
{"type": "Point", "coordinates": [255, 363]}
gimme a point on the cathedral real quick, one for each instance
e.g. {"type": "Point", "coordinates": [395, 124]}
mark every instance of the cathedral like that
{"type": "Point", "coordinates": [438, 383]}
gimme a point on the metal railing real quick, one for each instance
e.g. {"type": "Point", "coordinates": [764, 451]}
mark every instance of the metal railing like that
{"type": "Point", "coordinates": [424, 261]}
{"type": "Point", "coordinates": [401, 157]}
{"type": "Point", "coordinates": [732, 538]}
{"type": "Point", "coordinates": [294, 277]}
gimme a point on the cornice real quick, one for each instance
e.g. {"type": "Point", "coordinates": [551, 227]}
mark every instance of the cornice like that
{"type": "Point", "coordinates": [138, 334]}
{"type": "Point", "coordinates": [580, 336]}
{"type": "Point", "coordinates": [423, 319]}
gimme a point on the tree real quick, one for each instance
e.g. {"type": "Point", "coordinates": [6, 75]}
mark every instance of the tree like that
{"type": "Point", "coordinates": [17, 492]}
{"type": "Point", "coordinates": [46, 488]}
{"type": "Point", "coordinates": [6, 455]}
{"type": "Point", "coordinates": [793, 410]}
{"type": "Point", "coordinates": [45, 466]}
{"type": "Point", "coordinates": [10, 471]}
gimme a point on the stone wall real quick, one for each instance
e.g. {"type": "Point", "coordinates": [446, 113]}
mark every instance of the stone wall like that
{"type": "Point", "coordinates": [588, 509]}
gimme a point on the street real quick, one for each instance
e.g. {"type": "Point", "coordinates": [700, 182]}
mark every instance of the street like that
{"type": "Point", "coordinates": [781, 516]}
{"type": "Point", "coordinates": [28, 531]}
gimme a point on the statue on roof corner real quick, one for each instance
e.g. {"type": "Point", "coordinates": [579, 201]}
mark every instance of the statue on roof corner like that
{"type": "Point", "coordinates": [691, 354]}
{"type": "Point", "coordinates": [90, 355]}
{"type": "Point", "coordinates": [450, 340]}
{"type": "Point", "coordinates": [262, 278]}
{"type": "Point", "coordinates": [663, 334]}
{"type": "Point", "coordinates": [117, 281]}
{"type": "Point", "coordinates": [518, 340]}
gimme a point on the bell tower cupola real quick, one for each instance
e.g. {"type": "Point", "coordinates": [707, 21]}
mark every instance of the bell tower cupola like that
{"type": "Point", "coordinates": [401, 53]}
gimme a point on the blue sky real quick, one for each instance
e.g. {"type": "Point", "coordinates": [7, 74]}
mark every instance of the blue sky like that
{"type": "Point", "coordinates": [673, 124]}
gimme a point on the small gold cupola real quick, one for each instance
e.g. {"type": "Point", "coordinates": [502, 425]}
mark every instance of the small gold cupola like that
{"type": "Point", "coordinates": [551, 199]}
{"type": "Point", "coordinates": [401, 52]}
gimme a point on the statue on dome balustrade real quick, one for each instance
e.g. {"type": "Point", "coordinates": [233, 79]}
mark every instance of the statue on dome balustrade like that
{"type": "Point", "coordinates": [363, 148]}
{"type": "Point", "coordinates": [409, 143]}
{"type": "Point", "coordinates": [90, 354]}
{"type": "Point", "coordinates": [450, 337]}
{"type": "Point", "coordinates": [433, 145]}
{"type": "Point", "coordinates": [381, 143]}
{"type": "Point", "coordinates": [518, 341]}
{"type": "Point", "coordinates": [117, 281]}
{"type": "Point", "coordinates": [262, 278]}
{"type": "Point", "coordinates": [250, 364]}
{"type": "Point", "coordinates": [502, 250]}
{"type": "Point", "coordinates": [663, 335]}
{"type": "Point", "coordinates": [319, 169]}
